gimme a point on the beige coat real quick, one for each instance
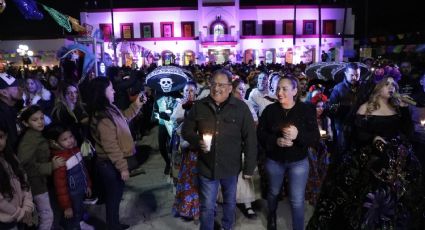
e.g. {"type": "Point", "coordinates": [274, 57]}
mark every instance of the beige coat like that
{"type": "Point", "coordinates": [12, 210]}
{"type": "Point", "coordinates": [113, 138]}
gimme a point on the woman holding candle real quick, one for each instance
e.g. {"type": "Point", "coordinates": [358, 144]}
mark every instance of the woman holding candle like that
{"type": "Point", "coordinates": [286, 129]}
{"type": "Point", "coordinates": [319, 155]}
{"type": "Point", "coordinates": [186, 202]}
{"type": "Point", "coordinates": [378, 183]}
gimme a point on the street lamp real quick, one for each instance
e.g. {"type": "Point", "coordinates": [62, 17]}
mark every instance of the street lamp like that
{"type": "Point", "coordinates": [25, 53]}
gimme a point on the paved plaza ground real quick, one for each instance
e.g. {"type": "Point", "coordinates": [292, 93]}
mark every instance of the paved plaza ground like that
{"type": "Point", "coordinates": [148, 199]}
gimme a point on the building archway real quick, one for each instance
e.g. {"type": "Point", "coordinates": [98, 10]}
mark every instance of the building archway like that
{"type": "Point", "coordinates": [250, 55]}
{"type": "Point", "coordinates": [218, 27]}
{"type": "Point", "coordinates": [168, 57]}
{"type": "Point", "coordinates": [188, 57]}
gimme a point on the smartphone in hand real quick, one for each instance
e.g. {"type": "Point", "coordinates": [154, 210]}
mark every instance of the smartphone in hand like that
{"type": "Point", "coordinates": [142, 97]}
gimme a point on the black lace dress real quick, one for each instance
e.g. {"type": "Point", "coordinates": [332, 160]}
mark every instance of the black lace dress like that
{"type": "Point", "coordinates": [377, 186]}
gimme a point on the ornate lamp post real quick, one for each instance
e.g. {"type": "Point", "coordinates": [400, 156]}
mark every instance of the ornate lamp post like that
{"type": "Point", "coordinates": [25, 53]}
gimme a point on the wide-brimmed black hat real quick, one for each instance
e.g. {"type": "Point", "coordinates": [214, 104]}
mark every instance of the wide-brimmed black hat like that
{"type": "Point", "coordinates": [167, 79]}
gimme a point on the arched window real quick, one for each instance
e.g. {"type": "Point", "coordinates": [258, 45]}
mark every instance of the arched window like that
{"type": "Point", "coordinates": [218, 29]}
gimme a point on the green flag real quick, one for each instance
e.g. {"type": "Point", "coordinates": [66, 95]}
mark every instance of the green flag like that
{"type": "Point", "coordinates": [61, 19]}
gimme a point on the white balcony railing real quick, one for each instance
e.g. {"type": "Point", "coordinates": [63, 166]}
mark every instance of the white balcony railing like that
{"type": "Point", "coordinates": [218, 38]}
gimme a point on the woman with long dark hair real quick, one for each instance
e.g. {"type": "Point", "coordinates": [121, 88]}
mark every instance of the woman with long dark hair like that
{"type": "Point", "coordinates": [69, 110]}
{"type": "Point", "coordinates": [114, 145]}
{"type": "Point", "coordinates": [186, 202]}
{"type": "Point", "coordinates": [286, 129]}
{"type": "Point", "coordinates": [15, 195]}
{"type": "Point", "coordinates": [319, 155]}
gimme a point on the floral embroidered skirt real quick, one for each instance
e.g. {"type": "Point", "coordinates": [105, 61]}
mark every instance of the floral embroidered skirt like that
{"type": "Point", "coordinates": [186, 203]}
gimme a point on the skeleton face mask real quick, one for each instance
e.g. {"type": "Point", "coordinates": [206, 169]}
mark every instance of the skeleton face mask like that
{"type": "Point", "coordinates": [166, 84]}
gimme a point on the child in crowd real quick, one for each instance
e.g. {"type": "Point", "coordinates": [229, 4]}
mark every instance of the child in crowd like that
{"type": "Point", "coordinates": [71, 181]}
{"type": "Point", "coordinates": [34, 153]}
{"type": "Point", "coordinates": [15, 196]}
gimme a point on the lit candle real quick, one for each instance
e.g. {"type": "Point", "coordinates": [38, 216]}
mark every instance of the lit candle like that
{"type": "Point", "coordinates": [207, 139]}
{"type": "Point", "coordinates": [423, 122]}
{"type": "Point", "coordinates": [322, 132]}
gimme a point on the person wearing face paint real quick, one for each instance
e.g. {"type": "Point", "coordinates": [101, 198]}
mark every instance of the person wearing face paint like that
{"type": "Point", "coordinates": [162, 110]}
{"type": "Point", "coordinates": [34, 154]}
{"type": "Point", "coordinates": [286, 129]}
{"type": "Point", "coordinates": [319, 155]}
{"type": "Point", "coordinates": [228, 124]}
{"type": "Point", "coordinates": [377, 185]}
{"type": "Point", "coordinates": [186, 202]}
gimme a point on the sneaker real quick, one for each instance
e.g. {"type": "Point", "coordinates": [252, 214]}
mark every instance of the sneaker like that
{"type": "Point", "coordinates": [85, 226]}
{"type": "Point", "coordinates": [250, 213]}
{"type": "Point", "coordinates": [92, 200]}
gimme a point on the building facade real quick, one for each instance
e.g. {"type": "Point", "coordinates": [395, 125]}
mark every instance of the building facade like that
{"type": "Point", "coordinates": [224, 30]}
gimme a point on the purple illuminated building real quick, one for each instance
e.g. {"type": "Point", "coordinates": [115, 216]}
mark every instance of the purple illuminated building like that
{"type": "Point", "coordinates": [223, 30]}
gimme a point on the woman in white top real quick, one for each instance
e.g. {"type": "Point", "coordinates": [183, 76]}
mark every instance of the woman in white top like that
{"type": "Point", "coordinates": [245, 187]}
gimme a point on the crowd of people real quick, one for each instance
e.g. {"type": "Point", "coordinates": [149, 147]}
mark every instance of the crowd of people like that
{"type": "Point", "coordinates": [353, 149]}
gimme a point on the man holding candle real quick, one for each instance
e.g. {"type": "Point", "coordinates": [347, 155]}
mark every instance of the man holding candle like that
{"type": "Point", "coordinates": [227, 124]}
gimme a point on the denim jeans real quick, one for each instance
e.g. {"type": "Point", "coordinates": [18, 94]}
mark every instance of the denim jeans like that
{"type": "Point", "coordinates": [113, 188]}
{"type": "Point", "coordinates": [44, 210]}
{"type": "Point", "coordinates": [298, 174]}
{"type": "Point", "coordinates": [77, 185]}
{"type": "Point", "coordinates": [8, 226]}
{"type": "Point", "coordinates": [208, 189]}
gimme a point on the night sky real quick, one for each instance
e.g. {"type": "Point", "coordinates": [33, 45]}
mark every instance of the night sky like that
{"type": "Point", "coordinates": [383, 19]}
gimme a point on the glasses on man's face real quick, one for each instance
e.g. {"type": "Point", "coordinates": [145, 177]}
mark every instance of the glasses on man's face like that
{"type": "Point", "coordinates": [219, 85]}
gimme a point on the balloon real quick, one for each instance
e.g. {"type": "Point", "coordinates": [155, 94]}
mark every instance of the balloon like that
{"type": "Point", "coordinates": [29, 9]}
{"type": "Point", "coordinates": [2, 5]}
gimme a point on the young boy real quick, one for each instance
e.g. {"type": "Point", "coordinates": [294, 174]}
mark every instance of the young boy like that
{"type": "Point", "coordinates": [72, 182]}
